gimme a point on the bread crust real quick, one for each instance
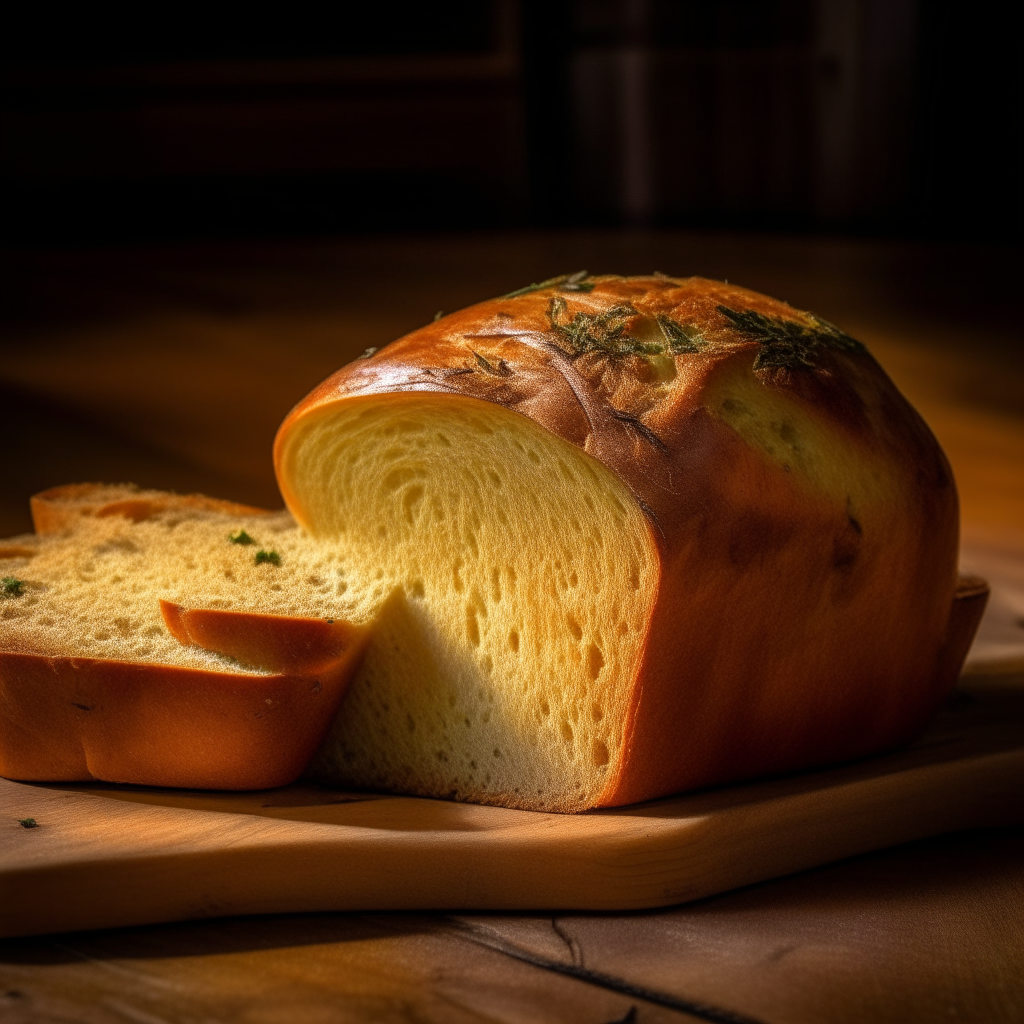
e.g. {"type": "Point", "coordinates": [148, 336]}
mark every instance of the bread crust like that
{"type": "Point", "coordinates": [58, 508]}
{"type": "Point", "coordinates": [280, 643]}
{"type": "Point", "coordinates": [83, 719]}
{"type": "Point", "coordinates": [798, 620]}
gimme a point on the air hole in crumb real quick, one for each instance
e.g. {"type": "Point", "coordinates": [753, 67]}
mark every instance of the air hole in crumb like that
{"type": "Point", "coordinates": [472, 629]}
{"type": "Point", "coordinates": [497, 752]}
{"type": "Point", "coordinates": [599, 753]}
{"type": "Point", "coordinates": [513, 640]}
{"type": "Point", "coordinates": [566, 730]}
{"type": "Point", "coordinates": [417, 588]}
{"type": "Point", "coordinates": [596, 712]}
{"type": "Point", "coordinates": [574, 627]}
{"type": "Point", "coordinates": [400, 476]}
{"type": "Point", "coordinates": [411, 499]}
{"type": "Point", "coordinates": [595, 661]}
{"type": "Point", "coordinates": [545, 708]}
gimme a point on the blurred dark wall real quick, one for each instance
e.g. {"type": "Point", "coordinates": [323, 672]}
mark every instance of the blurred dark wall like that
{"type": "Point", "coordinates": [880, 116]}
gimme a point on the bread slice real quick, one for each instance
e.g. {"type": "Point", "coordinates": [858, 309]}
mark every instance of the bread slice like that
{"type": "Point", "coordinates": [145, 638]}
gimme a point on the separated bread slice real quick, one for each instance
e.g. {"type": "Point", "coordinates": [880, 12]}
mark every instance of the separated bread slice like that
{"type": "Point", "coordinates": [645, 534]}
{"type": "Point", "coordinates": [143, 639]}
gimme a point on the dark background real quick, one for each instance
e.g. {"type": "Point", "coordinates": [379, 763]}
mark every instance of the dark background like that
{"type": "Point", "coordinates": [206, 211]}
{"type": "Point", "coordinates": [878, 117]}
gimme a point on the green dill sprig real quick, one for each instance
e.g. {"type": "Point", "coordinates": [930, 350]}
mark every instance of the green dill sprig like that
{"type": "Point", "coordinates": [682, 338]}
{"type": "Point", "coordinates": [607, 332]}
{"type": "Point", "coordinates": [787, 344]}
{"type": "Point", "coordinates": [502, 368]}
{"type": "Point", "coordinates": [240, 537]}
{"type": "Point", "coordinates": [597, 332]}
{"type": "Point", "coordinates": [836, 338]}
{"type": "Point", "coordinates": [564, 283]}
{"type": "Point", "coordinates": [28, 823]}
{"type": "Point", "coordinates": [272, 557]}
{"type": "Point", "coordinates": [11, 586]}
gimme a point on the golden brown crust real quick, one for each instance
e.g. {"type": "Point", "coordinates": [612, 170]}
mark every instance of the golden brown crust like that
{"type": "Point", "coordinates": [800, 615]}
{"type": "Point", "coordinates": [80, 719]}
{"type": "Point", "coordinates": [277, 643]}
{"type": "Point", "coordinates": [58, 508]}
{"type": "Point", "coordinates": [639, 415]}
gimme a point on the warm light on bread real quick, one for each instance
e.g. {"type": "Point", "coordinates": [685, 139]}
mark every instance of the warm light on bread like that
{"type": "Point", "coordinates": [591, 543]}
{"type": "Point", "coordinates": [637, 535]}
{"type": "Point", "coordinates": [523, 576]}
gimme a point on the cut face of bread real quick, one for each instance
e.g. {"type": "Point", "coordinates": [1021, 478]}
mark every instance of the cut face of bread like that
{"type": "Point", "coordinates": [93, 590]}
{"type": "Point", "coordinates": [517, 576]}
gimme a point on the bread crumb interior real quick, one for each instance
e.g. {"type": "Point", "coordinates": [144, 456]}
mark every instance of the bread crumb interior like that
{"type": "Point", "coordinates": [93, 591]}
{"type": "Point", "coordinates": [516, 577]}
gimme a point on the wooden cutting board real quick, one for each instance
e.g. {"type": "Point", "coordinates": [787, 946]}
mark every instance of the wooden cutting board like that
{"type": "Point", "coordinates": [101, 856]}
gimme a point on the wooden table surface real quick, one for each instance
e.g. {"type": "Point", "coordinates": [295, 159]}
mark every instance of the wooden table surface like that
{"type": "Point", "coordinates": [171, 366]}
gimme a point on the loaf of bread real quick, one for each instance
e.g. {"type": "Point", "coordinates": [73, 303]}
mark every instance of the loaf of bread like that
{"type": "Point", "coordinates": [597, 541]}
{"type": "Point", "coordinates": [640, 535]}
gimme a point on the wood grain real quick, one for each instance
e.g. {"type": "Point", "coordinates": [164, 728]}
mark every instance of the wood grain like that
{"type": "Point", "coordinates": [889, 937]}
{"type": "Point", "coordinates": [394, 969]}
{"type": "Point", "coordinates": [113, 856]}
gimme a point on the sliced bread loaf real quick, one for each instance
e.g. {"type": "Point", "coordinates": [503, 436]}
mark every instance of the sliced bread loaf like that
{"type": "Point", "coordinates": [648, 534]}
{"type": "Point", "coordinates": [603, 539]}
